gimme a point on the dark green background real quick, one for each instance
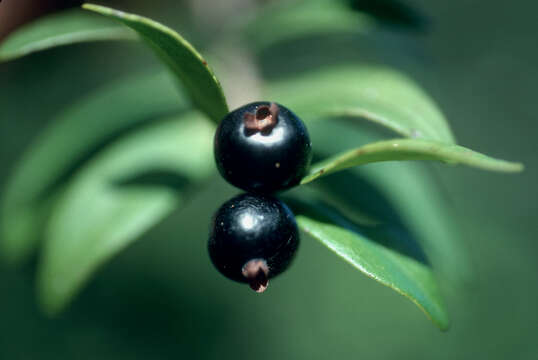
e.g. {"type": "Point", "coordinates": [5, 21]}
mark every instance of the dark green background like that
{"type": "Point", "coordinates": [162, 299]}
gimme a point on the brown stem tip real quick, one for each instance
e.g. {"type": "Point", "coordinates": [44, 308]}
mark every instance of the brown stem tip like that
{"type": "Point", "coordinates": [256, 272]}
{"type": "Point", "coordinates": [264, 120]}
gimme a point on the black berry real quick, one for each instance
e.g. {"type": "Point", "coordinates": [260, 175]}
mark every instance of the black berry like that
{"type": "Point", "coordinates": [262, 147]}
{"type": "Point", "coordinates": [253, 238]}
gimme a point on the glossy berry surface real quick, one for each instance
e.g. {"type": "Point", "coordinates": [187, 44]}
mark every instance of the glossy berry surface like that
{"type": "Point", "coordinates": [253, 238]}
{"type": "Point", "coordinates": [262, 147]}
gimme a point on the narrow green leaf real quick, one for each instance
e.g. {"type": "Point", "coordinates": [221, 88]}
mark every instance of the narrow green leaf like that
{"type": "Point", "coordinates": [294, 19]}
{"type": "Point", "coordinates": [72, 26]}
{"type": "Point", "coordinates": [115, 199]}
{"type": "Point", "coordinates": [364, 92]}
{"type": "Point", "coordinates": [408, 149]}
{"type": "Point", "coordinates": [72, 137]}
{"type": "Point", "coordinates": [180, 56]}
{"type": "Point", "coordinates": [402, 192]}
{"type": "Point", "coordinates": [384, 261]}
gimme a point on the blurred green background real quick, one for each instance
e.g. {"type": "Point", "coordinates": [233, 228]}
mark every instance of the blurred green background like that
{"type": "Point", "coordinates": [162, 299]}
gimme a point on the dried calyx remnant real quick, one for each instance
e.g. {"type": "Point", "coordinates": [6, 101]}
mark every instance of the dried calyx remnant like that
{"type": "Point", "coordinates": [256, 272]}
{"type": "Point", "coordinates": [263, 120]}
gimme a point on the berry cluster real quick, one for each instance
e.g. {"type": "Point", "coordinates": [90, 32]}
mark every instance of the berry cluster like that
{"type": "Point", "coordinates": [261, 148]}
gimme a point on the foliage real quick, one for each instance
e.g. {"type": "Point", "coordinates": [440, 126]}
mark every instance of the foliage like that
{"type": "Point", "coordinates": [386, 221]}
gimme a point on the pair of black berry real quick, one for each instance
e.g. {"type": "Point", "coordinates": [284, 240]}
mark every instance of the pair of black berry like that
{"type": "Point", "coordinates": [262, 148]}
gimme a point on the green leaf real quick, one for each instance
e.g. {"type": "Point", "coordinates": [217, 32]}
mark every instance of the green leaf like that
{"type": "Point", "coordinates": [407, 273]}
{"type": "Point", "coordinates": [73, 26]}
{"type": "Point", "coordinates": [73, 136]}
{"type": "Point", "coordinates": [294, 19]}
{"type": "Point", "coordinates": [180, 56]}
{"type": "Point", "coordinates": [406, 193]}
{"type": "Point", "coordinates": [408, 149]}
{"type": "Point", "coordinates": [117, 197]}
{"type": "Point", "coordinates": [364, 92]}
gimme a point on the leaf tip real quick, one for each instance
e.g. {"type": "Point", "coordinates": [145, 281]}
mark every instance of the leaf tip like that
{"type": "Point", "coordinates": [305, 180]}
{"type": "Point", "coordinates": [444, 327]}
{"type": "Point", "coordinates": [517, 167]}
{"type": "Point", "coordinates": [46, 304]}
{"type": "Point", "coordinates": [95, 8]}
{"type": "Point", "coordinates": [443, 323]}
{"type": "Point", "coordinates": [52, 296]}
{"type": "Point", "coordinates": [509, 167]}
{"type": "Point", "coordinates": [89, 6]}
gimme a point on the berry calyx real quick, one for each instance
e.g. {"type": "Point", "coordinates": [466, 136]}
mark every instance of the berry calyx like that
{"type": "Point", "coordinates": [256, 272]}
{"type": "Point", "coordinates": [253, 238]}
{"type": "Point", "coordinates": [264, 120]}
{"type": "Point", "coordinates": [262, 147]}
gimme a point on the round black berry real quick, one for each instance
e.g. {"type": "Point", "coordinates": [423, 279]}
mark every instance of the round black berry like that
{"type": "Point", "coordinates": [262, 147]}
{"type": "Point", "coordinates": [253, 238]}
